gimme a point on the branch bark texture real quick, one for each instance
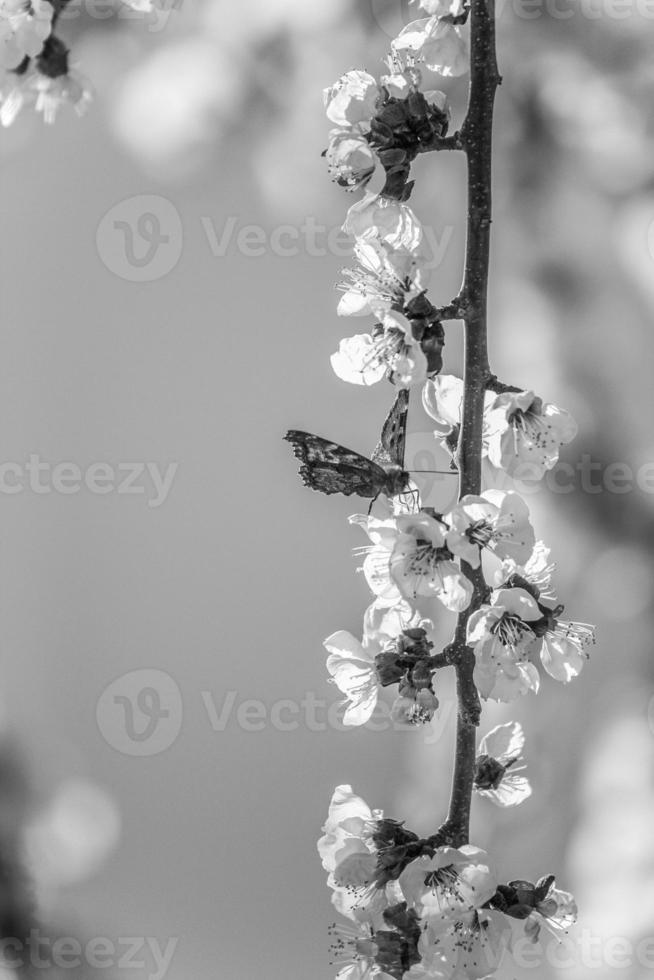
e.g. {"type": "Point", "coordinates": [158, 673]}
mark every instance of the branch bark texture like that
{"type": "Point", "coordinates": [476, 139]}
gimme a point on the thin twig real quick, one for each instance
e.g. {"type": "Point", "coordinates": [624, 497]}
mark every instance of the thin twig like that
{"type": "Point", "coordinates": [476, 136]}
{"type": "Point", "coordinates": [453, 142]}
{"type": "Point", "coordinates": [453, 311]}
{"type": "Point", "coordinates": [499, 388]}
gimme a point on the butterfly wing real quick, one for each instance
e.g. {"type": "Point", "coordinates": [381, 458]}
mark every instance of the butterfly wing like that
{"type": "Point", "coordinates": [392, 444]}
{"type": "Point", "coordinates": [330, 468]}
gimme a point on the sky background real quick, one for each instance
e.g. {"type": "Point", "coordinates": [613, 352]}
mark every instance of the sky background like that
{"type": "Point", "coordinates": [209, 131]}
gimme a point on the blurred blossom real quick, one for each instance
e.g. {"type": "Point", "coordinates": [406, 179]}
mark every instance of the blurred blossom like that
{"type": "Point", "coordinates": [223, 71]}
{"type": "Point", "coordinates": [617, 892]}
{"type": "Point", "coordinates": [634, 227]}
{"type": "Point", "coordinates": [628, 594]}
{"type": "Point", "coordinates": [527, 322]}
{"type": "Point", "coordinates": [243, 25]}
{"type": "Point", "coordinates": [176, 104]}
{"type": "Point", "coordinates": [71, 838]}
{"type": "Point", "coordinates": [314, 60]}
{"type": "Point", "coordinates": [601, 121]}
{"type": "Point", "coordinates": [301, 125]}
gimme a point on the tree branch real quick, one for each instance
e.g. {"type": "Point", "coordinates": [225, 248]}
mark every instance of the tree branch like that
{"type": "Point", "coordinates": [453, 142]}
{"type": "Point", "coordinates": [476, 137]}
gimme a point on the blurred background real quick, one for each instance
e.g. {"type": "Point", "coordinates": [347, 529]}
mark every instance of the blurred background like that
{"type": "Point", "coordinates": [166, 753]}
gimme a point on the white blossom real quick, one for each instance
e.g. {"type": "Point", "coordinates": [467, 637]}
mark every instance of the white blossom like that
{"type": "Point", "coordinates": [521, 435]}
{"type": "Point", "coordinates": [346, 848]}
{"type": "Point", "coordinates": [417, 709]}
{"type": "Point", "coordinates": [147, 6]}
{"type": "Point", "coordinates": [350, 158]}
{"type": "Point", "coordinates": [452, 882]}
{"type": "Point", "coordinates": [557, 911]}
{"type": "Point", "coordinates": [471, 947]}
{"type": "Point", "coordinates": [564, 648]}
{"type": "Point", "coordinates": [409, 557]}
{"type": "Point", "coordinates": [352, 99]}
{"type": "Point", "coordinates": [363, 904]}
{"type": "Point", "coordinates": [551, 907]}
{"type": "Point", "coordinates": [350, 857]}
{"type": "Point", "coordinates": [352, 668]}
{"type": "Point", "coordinates": [383, 623]}
{"type": "Point", "coordinates": [515, 629]}
{"type": "Point", "coordinates": [441, 8]}
{"type": "Point", "coordinates": [442, 399]}
{"type": "Point", "coordinates": [495, 520]}
{"type": "Point", "coordinates": [538, 572]}
{"type": "Point", "coordinates": [408, 364]}
{"type": "Point", "coordinates": [407, 77]}
{"type": "Point", "coordinates": [360, 360]}
{"type": "Point", "coordinates": [24, 27]}
{"type": "Point", "coordinates": [525, 435]}
{"type": "Point", "coordinates": [367, 358]}
{"type": "Point", "coordinates": [354, 950]}
{"type": "Point", "coordinates": [421, 564]}
{"type": "Point", "coordinates": [499, 771]}
{"type": "Point", "coordinates": [382, 532]}
{"type": "Point", "coordinates": [442, 46]}
{"type": "Point", "coordinates": [392, 222]}
{"type": "Point", "coordinates": [501, 636]}
{"type": "Point", "coordinates": [384, 279]}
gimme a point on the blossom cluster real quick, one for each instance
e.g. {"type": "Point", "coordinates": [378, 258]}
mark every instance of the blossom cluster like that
{"type": "Point", "coordinates": [420, 555]}
{"type": "Point", "coordinates": [522, 434]}
{"type": "Point", "coordinates": [423, 908]}
{"type": "Point", "coordinates": [418, 908]}
{"type": "Point", "coordinates": [415, 553]}
{"type": "Point", "coordinates": [35, 68]}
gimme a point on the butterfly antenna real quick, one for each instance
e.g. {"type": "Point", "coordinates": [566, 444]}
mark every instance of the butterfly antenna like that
{"type": "Point", "coordinates": [439, 472]}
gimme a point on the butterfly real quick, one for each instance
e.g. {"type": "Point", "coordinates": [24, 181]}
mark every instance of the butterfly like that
{"type": "Point", "coordinates": [331, 468]}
